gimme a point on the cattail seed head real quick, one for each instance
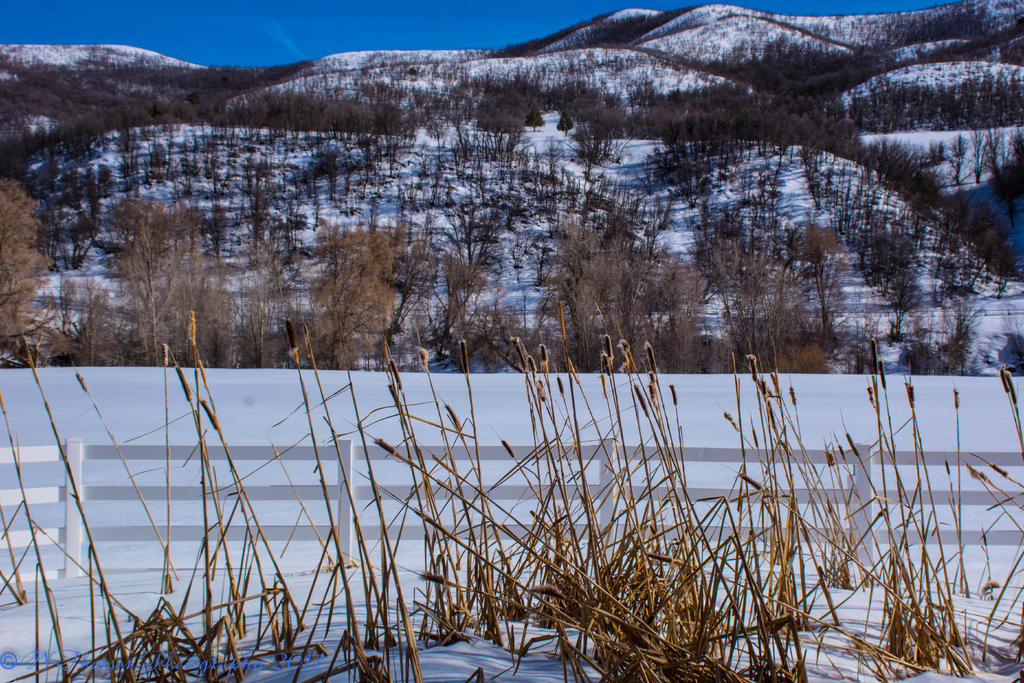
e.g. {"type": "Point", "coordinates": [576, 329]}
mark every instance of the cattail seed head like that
{"type": "Point", "coordinates": [386, 446]}
{"type": "Point", "coordinates": [731, 421]}
{"type": "Point", "coordinates": [640, 399]}
{"type": "Point", "coordinates": [608, 345]}
{"type": "Point", "coordinates": [210, 414]}
{"type": "Point", "coordinates": [561, 388]}
{"type": "Point", "coordinates": [455, 418]}
{"type": "Point", "coordinates": [464, 351]}
{"type": "Point", "coordinates": [548, 590]}
{"type": "Point", "coordinates": [424, 359]}
{"type": "Point", "coordinates": [394, 373]}
{"type": "Point", "coordinates": [649, 350]}
{"type": "Point", "coordinates": [956, 398]}
{"type": "Point", "coordinates": [166, 353]}
{"type": "Point", "coordinates": [289, 328]}
{"type": "Point", "coordinates": [750, 481]}
{"type": "Point", "coordinates": [1007, 380]}
{"type": "Point", "coordinates": [672, 390]}
{"type": "Point", "coordinates": [792, 396]}
{"type": "Point", "coordinates": [432, 577]}
{"type": "Point", "coordinates": [81, 382]}
{"type": "Point", "coordinates": [184, 384]}
{"type": "Point", "coordinates": [541, 394]}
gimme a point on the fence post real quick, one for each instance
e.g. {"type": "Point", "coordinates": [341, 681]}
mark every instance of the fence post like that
{"type": "Point", "coordinates": [72, 520]}
{"type": "Point", "coordinates": [346, 499]}
{"type": "Point", "coordinates": [862, 495]}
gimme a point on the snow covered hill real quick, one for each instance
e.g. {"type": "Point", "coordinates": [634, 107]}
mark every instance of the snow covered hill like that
{"type": "Point", "coordinates": [738, 36]}
{"type": "Point", "coordinates": [79, 56]}
{"type": "Point", "coordinates": [617, 71]}
{"type": "Point", "coordinates": [940, 75]}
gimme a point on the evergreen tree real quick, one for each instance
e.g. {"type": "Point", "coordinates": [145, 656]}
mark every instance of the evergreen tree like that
{"type": "Point", "coordinates": [534, 119]}
{"type": "Point", "coordinates": [565, 123]}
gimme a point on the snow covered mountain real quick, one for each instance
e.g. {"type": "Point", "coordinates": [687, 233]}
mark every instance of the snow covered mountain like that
{"type": "Point", "coordinates": [89, 56]}
{"type": "Point", "coordinates": [707, 32]}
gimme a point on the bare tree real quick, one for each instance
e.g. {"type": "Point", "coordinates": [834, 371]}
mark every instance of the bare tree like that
{"type": "Point", "coordinates": [20, 263]}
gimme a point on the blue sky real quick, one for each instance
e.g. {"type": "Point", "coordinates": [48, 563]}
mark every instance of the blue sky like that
{"type": "Point", "coordinates": [264, 32]}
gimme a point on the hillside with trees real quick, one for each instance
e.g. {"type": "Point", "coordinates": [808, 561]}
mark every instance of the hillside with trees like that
{"type": "Point", "coordinates": [793, 193]}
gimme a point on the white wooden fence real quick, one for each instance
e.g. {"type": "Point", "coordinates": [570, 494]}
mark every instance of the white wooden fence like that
{"type": "Point", "coordinates": [861, 487]}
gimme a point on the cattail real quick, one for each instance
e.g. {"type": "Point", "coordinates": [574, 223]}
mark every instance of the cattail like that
{"type": "Point", "coordinates": [830, 458]}
{"type": "Point", "coordinates": [293, 345]}
{"type": "Point", "coordinates": [540, 390]}
{"type": "Point", "coordinates": [910, 394]}
{"type": "Point", "coordinates": [432, 577]}
{"type": "Point", "coordinates": [424, 358]}
{"type": "Point", "coordinates": [548, 590]}
{"type": "Point", "coordinates": [543, 354]}
{"type": "Point", "coordinates": [989, 587]}
{"type": "Point", "coordinates": [192, 327]}
{"type": "Point", "coordinates": [853, 446]}
{"type": "Point", "coordinates": [975, 474]}
{"type": "Point", "coordinates": [464, 350]}
{"type": "Point", "coordinates": [604, 387]}
{"type": "Point", "coordinates": [532, 364]}
{"type": "Point", "coordinates": [81, 382]}
{"type": "Point", "coordinates": [672, 390]}
{"type": "Point", "coordinates": [508, 449]}
{"type": "Point", "coordinates": [792, 395]}
{"type": "Point", "coordinates": [752, 362]}
{"type": "Point", "coordinates": [608, 346]}
{"type": "Point", "coordinates": [561, 388]}
{"type": "Point", "coordinates": [731, 421]}
{"type": "Point", "coordinates": [453, 416]}
{"type": "Point", "coordinates": [640, 398]}
{"type": "Point", "coordinates": [1007, 380]}
{"type": "Point", "coordinates": [1000, 471]}
{"type": "Point", "coordinates": [184, 384]}
{"type": "Point", "coordinates": [956, 398]}
{"type": "Point", "coordinates": [517, 344]}
{"type": "Point", "coordinates": [572, 370]}
{"type": "Point", "coordinates": [750, 481]}
{"type": "Point", "coordinates": [210, 414]}
{"type": "Point", "coordinates": [387, 447]}
{"type": "Point", "coordinates": [394, 373]}
{"type": "Point", "coordinates": [649, 350]}
{"type": "Point", "coordinates": [166, 353]}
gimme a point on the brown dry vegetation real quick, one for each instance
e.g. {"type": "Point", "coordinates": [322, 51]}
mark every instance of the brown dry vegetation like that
{"type": "Point", "coordinates": [637, 582]}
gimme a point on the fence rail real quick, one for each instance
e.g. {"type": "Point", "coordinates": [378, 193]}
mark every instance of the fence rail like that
{"type": "Point", "coordinates": [861, 487]}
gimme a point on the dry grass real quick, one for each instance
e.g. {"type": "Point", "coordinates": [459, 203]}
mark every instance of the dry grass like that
{"type": "Point", "coordinates": [627, 576]}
